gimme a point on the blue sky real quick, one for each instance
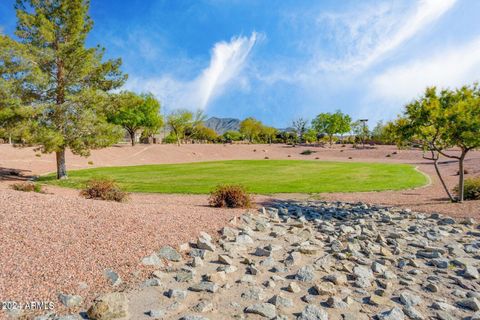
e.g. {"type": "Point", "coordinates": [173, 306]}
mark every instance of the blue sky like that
{"type": "Point", "coordinates": [281, 60]}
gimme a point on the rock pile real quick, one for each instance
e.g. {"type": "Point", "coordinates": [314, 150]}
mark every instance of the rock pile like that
{"type": "Point", "coordinates": [314, 261]}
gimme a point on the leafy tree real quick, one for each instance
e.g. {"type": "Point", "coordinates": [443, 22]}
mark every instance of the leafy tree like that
{"type": "Point", "coordinates": [232, 135]}
{"type": "Point", "coordinates": [310, 136]}
{"type": "Point", "coordinates": [198, 118]}
{"type": "Point", "coordinates": [268, 133]}
{"type": "Point", "coordinates": [332, 124]}
{"type": "Point", "coordinates": [380, 133]}
{"type": "Point", "coordinates": [251, 128]}
{"type": "Point", "coordinates": [360, 130]}
{"type": "Point", "coordinates": [136, 112]}
{"type": "Point", "coordinates": [203, 133]}
{"type": "Point", "coordinates": [440, 121]}
{"type": "Point", "coordinates": [65, 83]}
{"type": "Point", "coordinates": [179, 121]}
{"type": "Point", "coordinates": [300, 126]}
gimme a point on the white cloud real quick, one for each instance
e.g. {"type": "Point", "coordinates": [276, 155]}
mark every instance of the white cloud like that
{"type": "Point", "coordinates": [228, 60]}
{"type": "Point", "coordinates": [368, 34]}
{"type": "Point", "coordinates": [451, 67]}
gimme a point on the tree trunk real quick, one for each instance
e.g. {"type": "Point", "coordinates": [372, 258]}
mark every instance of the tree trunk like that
{"type": "Point", "coordinates": [61, 167]}
{"type": "Point", "coordinates": [435, 163]}
{"type": "Point", "coordinates": [178, 141]}
{"type": "Point", "coordinates": [132, 137]}
{"type": "Point", "coordinates": [461, 176]}
{"type": "Point", "coordinates": [331, 141]}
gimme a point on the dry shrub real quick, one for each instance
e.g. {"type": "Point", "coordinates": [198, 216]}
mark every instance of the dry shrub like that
{"type": "Point", "coordinates": [307, 152]}
{"type": "Point", "coordinates": [471, 189]}
{"type": "Point", "coordinates": [104, 189]}
{"type": "Point", "coordinates": [465, 171]}
{"type": "Point", "coordinates": [27, 187]}
{"type": "Point", "coordinates": [230, 196]}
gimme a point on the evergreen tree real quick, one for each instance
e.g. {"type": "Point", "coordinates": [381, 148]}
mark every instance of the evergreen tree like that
{"type": "Point", "coordinates": [67, 84]}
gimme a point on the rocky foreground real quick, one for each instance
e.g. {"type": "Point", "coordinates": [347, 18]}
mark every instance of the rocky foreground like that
{"type": "Point", "coordinates": [311, 260]}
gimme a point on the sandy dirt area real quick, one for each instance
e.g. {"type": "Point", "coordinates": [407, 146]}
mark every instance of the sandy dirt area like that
{"type": "Point", "coordinates": [59, 242]}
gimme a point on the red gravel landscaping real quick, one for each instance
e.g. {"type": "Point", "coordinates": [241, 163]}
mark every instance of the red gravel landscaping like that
{"type": "Point", "coordinates": [58, 242]}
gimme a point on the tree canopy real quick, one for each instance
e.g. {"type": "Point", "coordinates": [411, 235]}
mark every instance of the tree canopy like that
{"type": "Point", "coordinates": [251, 128]}
{"type": "Point", "coordinates": [332, 124]}
{"type": "Point", "coordinates": [63, 83]}
{"type": "Point", "coordinates": [442, 120]}
{"type": "Point", "coordinates": [136, 112]}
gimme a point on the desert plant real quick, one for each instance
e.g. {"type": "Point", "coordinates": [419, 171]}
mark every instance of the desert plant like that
{"type": "Point", "coordinates": [230, 196]}
{"type": "Point", "coordinates": [307, 152]}
{"type": "Point", "coordinates": [104, 189]}
{"type": "Point", "coordinates": [27, 187]}
{"type": "Point", "coordinates": [465, 171]}
{"type": "Point", "coordinates": [471, 189]}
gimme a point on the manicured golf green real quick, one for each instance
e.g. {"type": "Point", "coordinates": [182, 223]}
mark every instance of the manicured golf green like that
{"type": "Point", "coordinates": [259, 176]}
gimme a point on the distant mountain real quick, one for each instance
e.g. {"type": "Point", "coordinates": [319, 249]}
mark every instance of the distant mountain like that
{"type": "Point", "coordinates": [222, 125]}
{"type": "Point", "coordinates": [288, 129]}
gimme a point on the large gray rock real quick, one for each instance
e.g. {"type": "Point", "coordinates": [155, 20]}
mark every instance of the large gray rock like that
{"type": "Point", "coordinates": [392, 314]}
{"type": "Point", "coordinates": [169, 254]}
{"type": "Point", "coordinates": [410, 299]}
{"type": "Point", "coordinates": [69, 300]}
{"type": "Point", "coordinates": [113, 277]}
{"type": "Point", "coordinates": [152, 260]}
{"type": "Point", "coordinates": [204, 286]}
{"type": "Point", "coordinates": [470, 303]}
{"type": "Point", "coordinates": [305, 273]}
{"type": "Point", "coordinates": [312, 312]}
{"type": "Point", "coordinates": [266, 310]}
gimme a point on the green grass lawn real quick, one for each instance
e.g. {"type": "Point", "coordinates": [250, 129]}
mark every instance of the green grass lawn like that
{"type": "Point", "coordinates": [259, 176]}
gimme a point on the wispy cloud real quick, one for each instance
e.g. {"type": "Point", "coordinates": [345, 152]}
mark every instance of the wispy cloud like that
{"type": "Point", "coordinates": [454, 66]}
{"type": "Point", "coordinates": [227, 62]}
{"type": "Point", "coordinates": [368, 34]}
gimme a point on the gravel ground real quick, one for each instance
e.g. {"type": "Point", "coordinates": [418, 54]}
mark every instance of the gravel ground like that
{"type": "Point", "coordinates": [57, 242]}
{"type": "Point", "coordinates": [53, 244]}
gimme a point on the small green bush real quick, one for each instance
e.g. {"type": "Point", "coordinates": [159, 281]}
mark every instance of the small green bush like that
{"type": "Point", "coordinates": [230, 196]}
{"type": "Point", "coordinates": [471, 189]}
{"type": "Point", "coordinates": [307, 152]}
{"type": "Point", "coordinates": [104, 189]}
{"type": "Point", "coordinates": [27, 187]}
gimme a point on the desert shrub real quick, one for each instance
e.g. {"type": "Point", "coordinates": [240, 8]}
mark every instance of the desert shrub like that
{"type": "Point", "coordinates": [471, 189]}
{"type": "Point", "coordinates": [104, 189]}
{"type": "Point", "coordinates": [27, 187]}
{"type": "Point", "coordinates": [307, 152]}
{"type": "Point", "coordinates": [230, 196]}
{"type": "Point", "coordinates": [465, 171]}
